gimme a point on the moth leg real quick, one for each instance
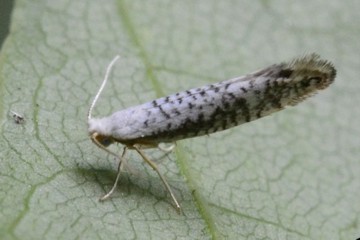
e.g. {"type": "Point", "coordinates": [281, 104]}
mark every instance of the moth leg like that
{"type": "Point", "coordinates": [119, 169]}
{"type": "Point", "coordinates": [154, 166]}
{"type": "Point", "coordinates": [166, 149]}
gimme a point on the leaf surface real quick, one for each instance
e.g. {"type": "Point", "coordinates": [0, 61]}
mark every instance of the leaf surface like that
{"type": "Point", "coordinates": [294, 175]}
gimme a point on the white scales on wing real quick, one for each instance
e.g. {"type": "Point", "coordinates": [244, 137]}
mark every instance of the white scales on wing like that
{"type": "Point", "coordinates": [216, 107]}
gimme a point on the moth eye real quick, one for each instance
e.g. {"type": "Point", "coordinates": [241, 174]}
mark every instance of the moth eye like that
{"type": "Point", "coordinates": [105, 141]}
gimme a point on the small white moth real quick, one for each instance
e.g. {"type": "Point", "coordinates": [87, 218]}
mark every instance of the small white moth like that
{"type": "Point", "coordinates": [208, 109]}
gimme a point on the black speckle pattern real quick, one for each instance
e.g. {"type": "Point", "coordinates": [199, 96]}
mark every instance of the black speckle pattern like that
{"type": "Point", "coordinates": [222, 105]}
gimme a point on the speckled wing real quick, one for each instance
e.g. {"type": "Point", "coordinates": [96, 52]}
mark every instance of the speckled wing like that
{"type": "Point", "coordinates": [222, 105]}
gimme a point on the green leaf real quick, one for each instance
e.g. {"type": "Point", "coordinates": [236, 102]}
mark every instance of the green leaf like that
{"type": "Point", "coordinates": [294, 175]}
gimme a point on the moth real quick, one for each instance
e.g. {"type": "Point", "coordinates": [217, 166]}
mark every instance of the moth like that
{"type": "Point", "coordinates": [208, 109]}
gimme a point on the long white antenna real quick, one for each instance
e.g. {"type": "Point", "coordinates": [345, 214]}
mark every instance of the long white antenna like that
{"type": "Point", "coordinates": [102, 85]}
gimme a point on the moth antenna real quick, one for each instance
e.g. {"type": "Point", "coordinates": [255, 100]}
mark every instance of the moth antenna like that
{"type": "Point", "coordinates": [108, 70]}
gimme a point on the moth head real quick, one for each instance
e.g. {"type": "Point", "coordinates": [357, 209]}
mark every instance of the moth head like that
{"type": "Point", "coordinates": [100, 129]}
{"type": "Point", "coordinates": [102, 140]}
{"type": "Point", "coordinates": [99, 132]}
